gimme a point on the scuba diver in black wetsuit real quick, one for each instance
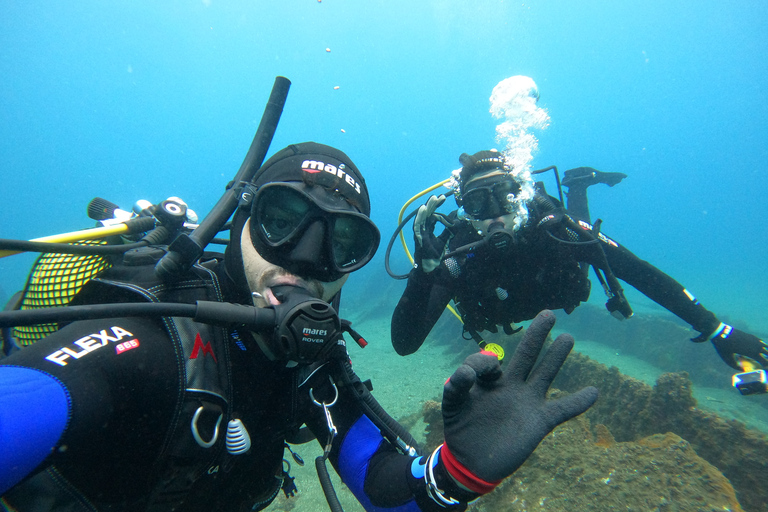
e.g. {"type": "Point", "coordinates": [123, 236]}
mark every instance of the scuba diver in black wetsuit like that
{"type": "Point", "coordinates": [141, 411]}
{"type": "Point", "coordinates": [512, 250]}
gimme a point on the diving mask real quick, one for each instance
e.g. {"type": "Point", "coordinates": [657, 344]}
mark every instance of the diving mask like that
{"type": "Point", "coordinates": [491, 197]}
{"type": "Point", "coordinates": [316, 237]}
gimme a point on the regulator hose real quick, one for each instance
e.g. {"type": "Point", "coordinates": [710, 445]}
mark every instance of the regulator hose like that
{"type": "Point", "coordinates": [327, 485]}
{"type": "Point", "coordinates": [209, 312]}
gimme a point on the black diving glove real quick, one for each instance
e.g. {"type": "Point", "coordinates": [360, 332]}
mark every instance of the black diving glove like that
{"type": "Point", "coordinates": [494, 419]}
{"type": "Point", "coordinates": [429, 248]}
{"type": "Point", "coordinates": [732, 343]}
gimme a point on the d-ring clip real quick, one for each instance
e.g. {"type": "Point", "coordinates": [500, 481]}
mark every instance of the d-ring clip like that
{"type": "Point", "coordinates": [335, 389]}
{"type": "Point", "coordinates": [332, 431]}
{"type": "Point", "coordinates": [196, 434]}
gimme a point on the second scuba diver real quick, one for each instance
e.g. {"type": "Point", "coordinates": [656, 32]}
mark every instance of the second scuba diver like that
{"type": "Point", "coordinates": [511, 250]}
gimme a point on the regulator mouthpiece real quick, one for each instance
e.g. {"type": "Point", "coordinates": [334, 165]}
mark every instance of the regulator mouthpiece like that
{"type": "Point", "coordinates": [499, 238]}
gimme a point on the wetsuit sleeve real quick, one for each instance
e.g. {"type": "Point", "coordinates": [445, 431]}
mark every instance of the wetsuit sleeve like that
{"type": "Point", "coordinates": [34, 412]}
{"type": "Point", "coordinates": [657, 286]}
{"type": "Point", "coordinates": [423, 301]}
{"type": "Point", "coordinates": [381, 477]}
{"type": "Point", "coordinates": [68, 398]}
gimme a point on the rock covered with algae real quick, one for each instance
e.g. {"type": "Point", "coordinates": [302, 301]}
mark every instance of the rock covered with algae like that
{"type": "Point", "coordinates": [633, 410]}
{"type": "Point", "coordinates": [670, 456]}
{"type": "Point", "coordinates": [581, 468]}
{"type": "Point", "coordinates": [578, 468]}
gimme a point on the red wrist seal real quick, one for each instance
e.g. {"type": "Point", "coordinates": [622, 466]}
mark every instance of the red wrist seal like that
{"type": "Point", "coordinates": [464, 476]}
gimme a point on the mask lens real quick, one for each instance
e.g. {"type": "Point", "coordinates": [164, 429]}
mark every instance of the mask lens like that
{"type": "Point", "coordinates": [285, 220]}
{"type": "Point", "coordinates": [503, 189]}
{"type": "Point", "coordinates": [280, 213]}
{"type": "Point", "coordinates": [492, 200]}
{"type": "Point", "coordinates": [476, 202]}
{"type": "Point", "coordinates": [354, 239]}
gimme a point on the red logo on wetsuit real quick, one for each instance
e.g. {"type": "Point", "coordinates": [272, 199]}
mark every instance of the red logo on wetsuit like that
{"type": "Point", "coordinates": [125, 346]}
{"type": "Point", "coordinates": [205, 347]}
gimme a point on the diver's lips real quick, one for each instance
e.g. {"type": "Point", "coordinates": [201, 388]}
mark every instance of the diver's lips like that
{"type": "Point", "coordinates": [271, 297]}
{"type": "Point", "coordinates": [496, 226]}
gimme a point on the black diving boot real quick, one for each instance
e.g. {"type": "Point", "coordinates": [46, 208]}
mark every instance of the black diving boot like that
{"type": "Point", "coordinates": [578, 180]}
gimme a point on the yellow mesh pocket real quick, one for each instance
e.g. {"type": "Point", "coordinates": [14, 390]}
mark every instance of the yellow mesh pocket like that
{"type": "Point", "coordinates": [54, 280]}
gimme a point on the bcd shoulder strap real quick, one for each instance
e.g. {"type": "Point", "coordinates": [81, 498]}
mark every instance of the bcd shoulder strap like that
{"type": "Point", "coordinates": [195, 442]}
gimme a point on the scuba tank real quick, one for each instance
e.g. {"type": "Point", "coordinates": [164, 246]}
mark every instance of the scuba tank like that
{"type": "Point", "coordinates": [57, 277]}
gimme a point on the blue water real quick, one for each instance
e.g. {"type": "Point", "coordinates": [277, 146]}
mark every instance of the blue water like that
{"type": "Point", "coordinates": [130, 100]}
{"type": "Point", "coordinates": [143, 99]}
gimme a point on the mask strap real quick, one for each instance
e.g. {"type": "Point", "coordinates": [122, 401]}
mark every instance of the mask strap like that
{"type": "Point", "coordinates": [247, 195]}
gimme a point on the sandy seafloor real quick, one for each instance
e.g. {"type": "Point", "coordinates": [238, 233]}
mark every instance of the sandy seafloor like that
{"type": "Point", "coordinates": [402, 384]}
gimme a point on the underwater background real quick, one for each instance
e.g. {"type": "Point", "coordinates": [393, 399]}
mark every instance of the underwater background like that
{"type": "Point", "coordinates": [131, 100]}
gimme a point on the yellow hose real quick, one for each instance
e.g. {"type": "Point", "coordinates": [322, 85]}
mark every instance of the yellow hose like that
{"type": "Point", "coordinates": [74, 236]}
{"type": "Point", "coordinates": [402, 238]}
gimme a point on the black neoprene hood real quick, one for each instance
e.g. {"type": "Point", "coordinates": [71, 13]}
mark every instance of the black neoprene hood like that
{"type": "Point", "coordinates": [480, 162]}
{"type": "Point", "coordinates": [340, 185]}
{"type": "Point", "coordinates": [310, 162]}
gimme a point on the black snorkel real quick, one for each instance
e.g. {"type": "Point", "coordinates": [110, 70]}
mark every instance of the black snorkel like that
{"type": "Point", "coordinates": [186, 249]}
{"type": "Point", "coordinates": [183, 251]}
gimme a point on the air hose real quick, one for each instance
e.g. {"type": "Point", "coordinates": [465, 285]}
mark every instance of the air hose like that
{"type": "Point", "coordinates": [392, 430]}
{"type": "Point", "coordinates": [399, 232]}
{"type": "Point", "coordinates": [327, 485]}
{"type": "Point", "coordinates": [401, 224]}
{"type": "Point", "coordinates": [209, 312]}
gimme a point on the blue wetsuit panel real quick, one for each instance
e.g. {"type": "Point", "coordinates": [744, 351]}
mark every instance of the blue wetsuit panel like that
{"type": "Point", "coordinates": [34, 410]}
{"type": "Point", "coordinates": [360, 443]}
